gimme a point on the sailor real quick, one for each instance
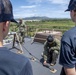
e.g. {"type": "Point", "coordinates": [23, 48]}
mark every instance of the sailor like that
{"type": "Point", "coordinates": [51, 50]}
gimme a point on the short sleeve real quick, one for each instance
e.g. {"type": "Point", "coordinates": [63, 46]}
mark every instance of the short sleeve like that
{"type": "Point", "coordinates": [67, 55]}
{"type": "Point", "coordinates": [27, 70]}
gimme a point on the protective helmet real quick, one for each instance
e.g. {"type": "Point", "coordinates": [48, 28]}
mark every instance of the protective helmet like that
{"type": "Point", "coordinates": [50, 38]}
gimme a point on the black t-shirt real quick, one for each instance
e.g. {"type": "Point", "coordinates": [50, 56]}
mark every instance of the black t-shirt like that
{"type": "Point", "coordinates": [68, 49]}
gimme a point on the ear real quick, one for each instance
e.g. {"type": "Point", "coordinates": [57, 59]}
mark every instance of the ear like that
{"type": "Point", "coordinates": [5, 28]}
{"type": "Point", "coordinates": [6, 25]}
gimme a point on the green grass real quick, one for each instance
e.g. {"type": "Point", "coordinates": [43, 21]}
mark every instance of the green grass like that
{"type": "Point", "coordinates": [52, 24]}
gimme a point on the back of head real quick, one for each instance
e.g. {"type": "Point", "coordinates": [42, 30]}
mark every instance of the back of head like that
{"type": "Point", "coordinates": [72, 5]}
{"type": "Point", "coordinates": [6, 15]}
{"type": "Point", "coordinates": [50, 38]}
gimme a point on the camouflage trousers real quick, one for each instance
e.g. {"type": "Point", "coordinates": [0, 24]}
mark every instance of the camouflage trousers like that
{"type": "Point", "coordinates": [52, 56]}
{"type": "Point", "coordinates": [21, 37]}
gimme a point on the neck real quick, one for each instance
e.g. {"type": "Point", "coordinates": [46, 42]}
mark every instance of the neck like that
{"type": "Point", "coordinates": [1, 34]}
{"type": "Point", "coordinates": [75, 23]}
{"type": "Point", "coordinates": [1, 43]}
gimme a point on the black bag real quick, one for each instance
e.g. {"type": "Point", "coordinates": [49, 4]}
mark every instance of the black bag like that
{"type": "Point", "coordinates": [62, 72]}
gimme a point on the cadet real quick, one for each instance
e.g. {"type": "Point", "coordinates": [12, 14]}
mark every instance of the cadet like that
{"type": "Point", "coordinates": [51, 50]}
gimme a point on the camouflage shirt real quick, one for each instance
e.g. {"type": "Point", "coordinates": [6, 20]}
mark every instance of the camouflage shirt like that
{"type": "Point", "coordinates": [48, 47]}
{"type": "Point", "coordinates": [22, 28]}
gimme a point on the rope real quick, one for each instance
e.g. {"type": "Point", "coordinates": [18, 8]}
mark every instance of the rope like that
{"type": "Point", "coordinates": [30, 53]}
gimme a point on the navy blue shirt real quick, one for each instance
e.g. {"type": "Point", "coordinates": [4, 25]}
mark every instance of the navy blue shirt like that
{"type": "Point", "coordinates": [13, 64]}
{"type": "Point", "coordinates": [68, 49]}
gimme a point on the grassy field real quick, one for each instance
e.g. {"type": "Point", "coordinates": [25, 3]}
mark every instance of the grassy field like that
{"type": "Point", "coordinates": [52, 24]}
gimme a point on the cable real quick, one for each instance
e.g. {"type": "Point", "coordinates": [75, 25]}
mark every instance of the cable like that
{"type": "Point", "coordinates": [31, 53]}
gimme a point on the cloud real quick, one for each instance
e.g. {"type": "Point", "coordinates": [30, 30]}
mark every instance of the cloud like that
{"type": "Point", "coordinates": [23, 15]}
{"type": "Point", "coordinates": [51, 14]}
{"type": "Point", "coordinates": [32, 6]}
{"type": "Point", "coordinates": [38, 8]}
{"type": "Point", "coordinates": [59, 1]}
{"type": "Point", "coordinates": [35, 1]}
{"type": "Point", "coordinates": [59, 14]}
{"type": "Point", "coordinates": [52, 1]}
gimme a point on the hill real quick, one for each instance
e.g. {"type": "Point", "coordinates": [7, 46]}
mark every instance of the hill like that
{"type": "Point", "coordinates": [36, 18]}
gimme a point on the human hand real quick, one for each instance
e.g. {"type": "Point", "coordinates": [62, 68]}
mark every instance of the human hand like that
{"type": "Point", "coordinates": [44, 63]}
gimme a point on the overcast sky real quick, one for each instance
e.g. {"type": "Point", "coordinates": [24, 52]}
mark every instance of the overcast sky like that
{"type": "Point", "coordinates": [49, 8]}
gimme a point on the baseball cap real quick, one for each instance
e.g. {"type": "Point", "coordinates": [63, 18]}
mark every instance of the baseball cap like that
{"type": "Point", "coordinates": [72, 5]}
{"type": "Point", "coordinates": [6, 11]}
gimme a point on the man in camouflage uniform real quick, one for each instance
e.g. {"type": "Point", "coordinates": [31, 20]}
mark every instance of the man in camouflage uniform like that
{"type": "Point", "coordinates": [51, 50]}
{"type": "Point", "coordinates": [21, 31]}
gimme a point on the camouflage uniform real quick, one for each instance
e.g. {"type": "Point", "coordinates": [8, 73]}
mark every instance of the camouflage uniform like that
{"type": "Point", "coordinates": [21, 32]}
{"type": "Point", "coordinates": [51, 51]}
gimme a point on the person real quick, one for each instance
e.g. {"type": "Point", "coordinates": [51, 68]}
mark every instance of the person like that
{"type": "Point", "coordinates": [21, 31]}
{"type": "Point", "coordinates": [10, 62]}
{"type": "Point", "coordinates": [68, 45]}
{"type": "Point", "coordinates": [51, 50]}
